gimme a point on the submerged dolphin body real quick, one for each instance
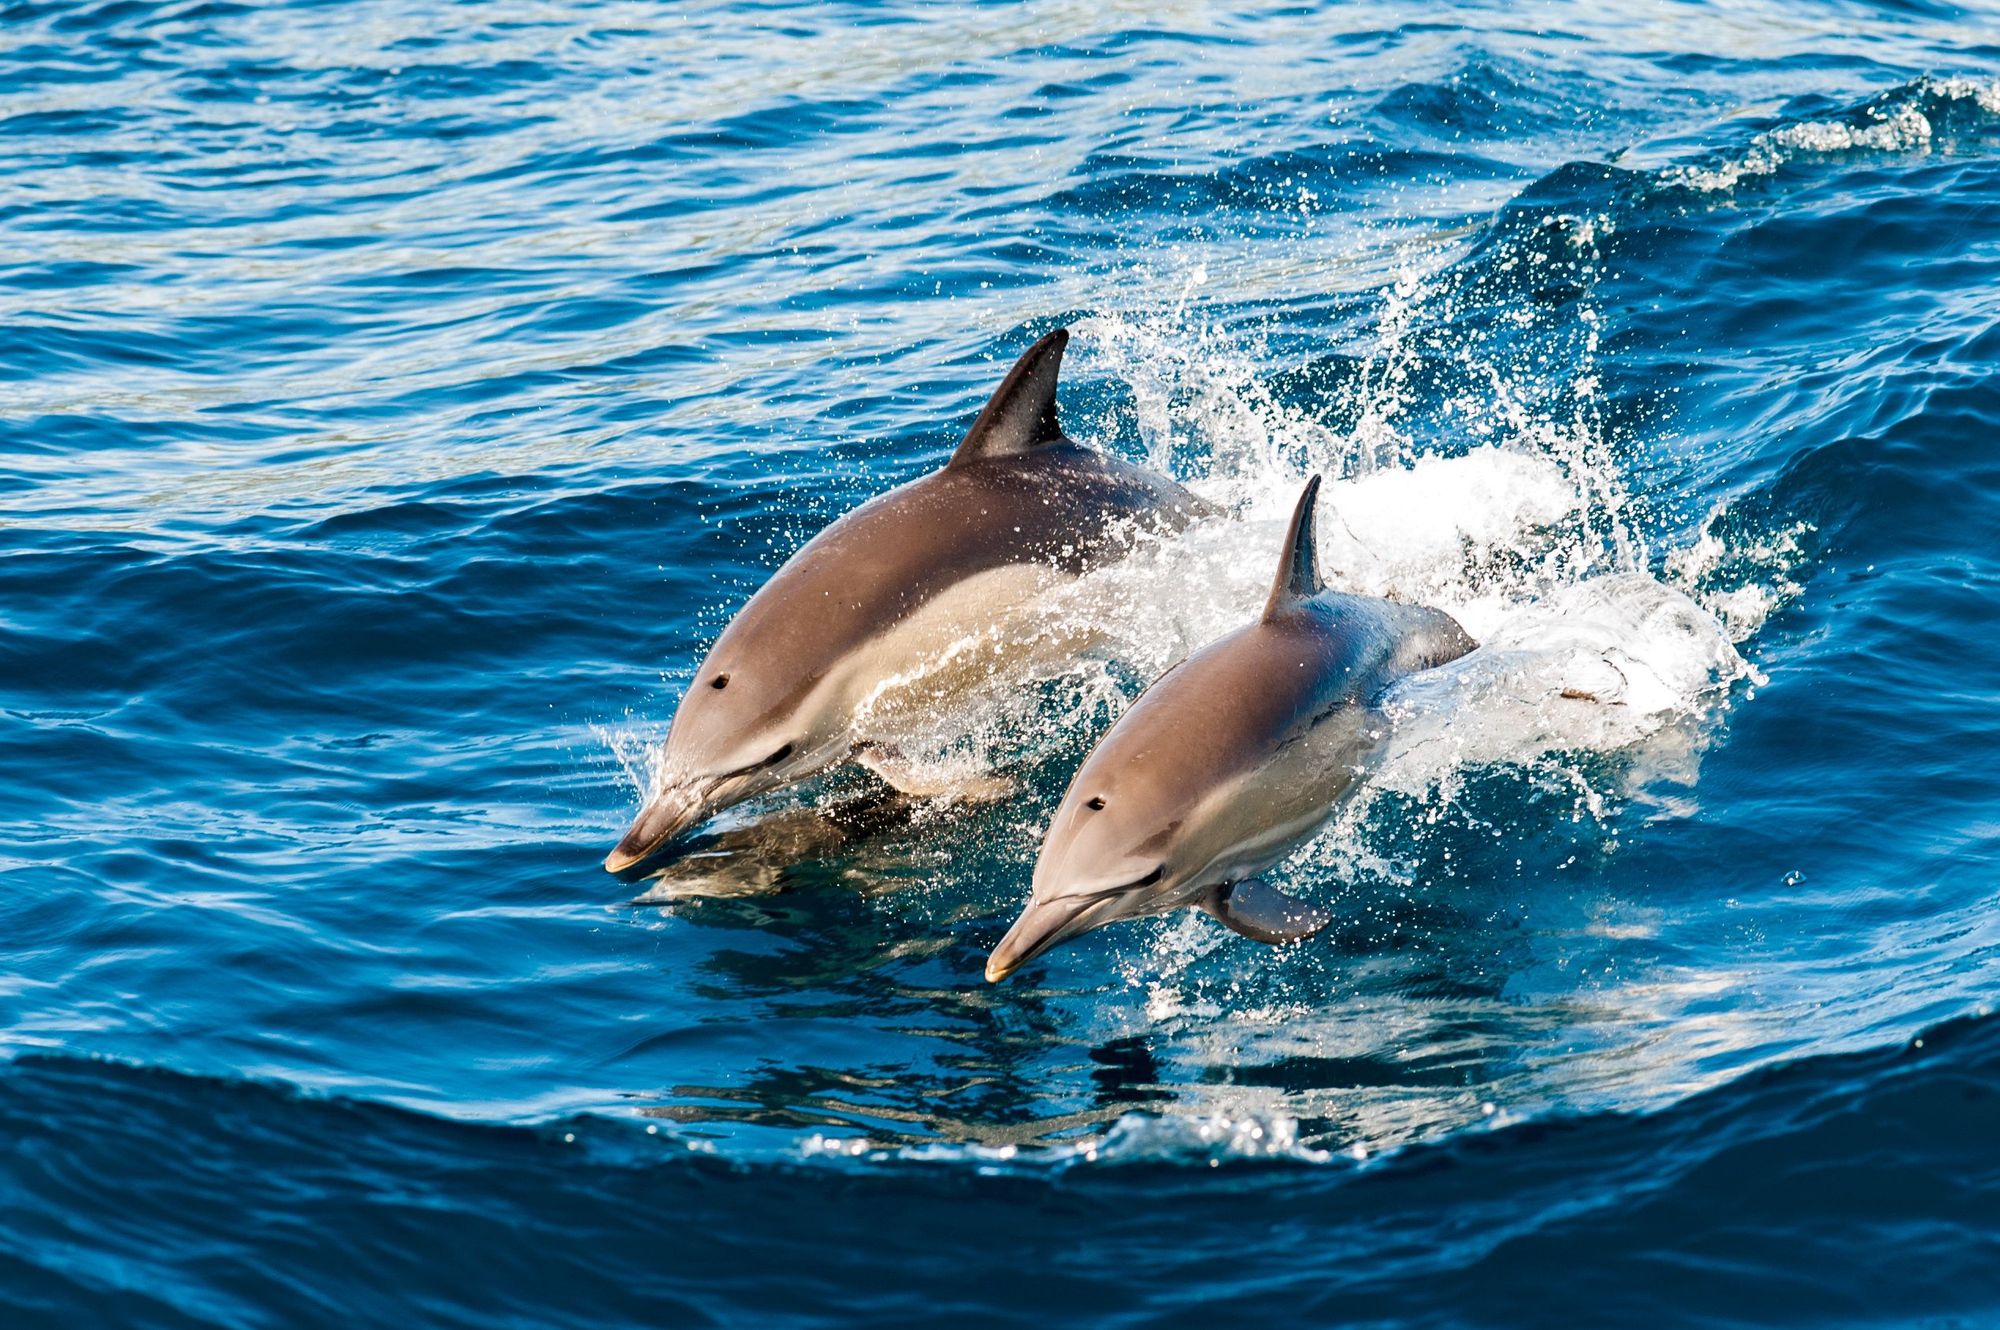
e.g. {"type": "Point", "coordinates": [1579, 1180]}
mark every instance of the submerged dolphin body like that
{"type": "Point", "coordinates": [886, 591]}
{"type": "Point", "coordinates": [1227, 762]}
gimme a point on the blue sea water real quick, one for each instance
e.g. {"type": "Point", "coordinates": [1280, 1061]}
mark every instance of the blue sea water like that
{"type": "Point", "coordinates": [396, 398]}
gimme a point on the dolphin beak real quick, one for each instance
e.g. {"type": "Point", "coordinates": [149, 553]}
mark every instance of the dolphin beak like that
{"type": "Point", "coordinates": [672, 811]}
{"type": "Point", "coordinates": [1041, 926]}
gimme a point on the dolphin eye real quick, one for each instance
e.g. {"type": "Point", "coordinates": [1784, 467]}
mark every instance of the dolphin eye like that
{"type": "Point", "coordinates": [1095, 801]}
{"type": "Point", "coordinates": [719, 681]}
{"type": "Point", "coordinates": [1152, 877]}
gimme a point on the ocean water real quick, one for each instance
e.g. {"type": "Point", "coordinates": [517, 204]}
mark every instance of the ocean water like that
{"type": "Point", "coordinates": [396, 399]}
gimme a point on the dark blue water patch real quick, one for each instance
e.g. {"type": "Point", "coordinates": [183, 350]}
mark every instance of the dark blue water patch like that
{"type": "Point", "coordinates": [1498, 101]}
{"type": "Point", "coordinates": [363, 1213]}
{"type": "Point", "coordinates": [204, 10]}
{"type": "Point", "coordinates": [61, 435]}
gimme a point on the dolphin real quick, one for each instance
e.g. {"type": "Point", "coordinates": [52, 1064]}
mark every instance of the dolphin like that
{"type": "Point", "coordinates": [886, 591]}
{"type": "Point", "coordinates": [1227, 762]}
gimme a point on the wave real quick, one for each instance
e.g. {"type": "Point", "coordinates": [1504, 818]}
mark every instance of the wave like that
{"type": "Point", "coordinates": [1912, 118]}
{"type": "Point", "coordinates": [147, 1197]}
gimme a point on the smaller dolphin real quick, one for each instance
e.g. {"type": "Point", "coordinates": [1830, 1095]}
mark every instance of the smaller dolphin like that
{"type": "Point", "coordinates": [1229, 761]}
{"type": "Point", "coordinates": [888, 592]}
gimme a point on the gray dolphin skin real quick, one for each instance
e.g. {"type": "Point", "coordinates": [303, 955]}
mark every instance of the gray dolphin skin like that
{"type": "Point", "coordinates": [887, 588]}
{"type": "Point", "coordinates": [1227, 763]}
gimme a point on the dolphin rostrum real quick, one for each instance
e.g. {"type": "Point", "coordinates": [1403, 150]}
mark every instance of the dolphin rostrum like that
{"type": "Point", "coordinates": [888, 589]}
{"type": "Point", "coordinates": [1230, 760]}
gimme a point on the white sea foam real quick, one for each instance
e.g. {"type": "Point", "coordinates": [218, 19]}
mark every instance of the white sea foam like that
{"type": "Point", "coordinates": [1136, 1138]}
{"type": "Point", "coordinates": [1217, 1137]}
{"type": "Point", "coordinates": [1597, 666]}
{"type": "Point", "coordinates": [1897, 124]}
{"type": "Point", "coordinates": [1983, 93]}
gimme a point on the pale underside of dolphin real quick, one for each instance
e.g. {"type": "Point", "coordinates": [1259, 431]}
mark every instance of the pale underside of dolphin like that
{"type": "Point", "coordinates": [890, 588]}
{"type": "Point", "coordinates": [1229, 762]}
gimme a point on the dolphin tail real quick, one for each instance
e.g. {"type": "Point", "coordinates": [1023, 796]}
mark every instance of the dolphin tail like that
{"type": "Point", "coordinates": [1262, 913]}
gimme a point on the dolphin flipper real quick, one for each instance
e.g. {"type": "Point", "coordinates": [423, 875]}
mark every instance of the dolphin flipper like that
{"type": "Point", "coordinates": [919, 782]}
{"type": "Point", "coordinates": [1262, 913]}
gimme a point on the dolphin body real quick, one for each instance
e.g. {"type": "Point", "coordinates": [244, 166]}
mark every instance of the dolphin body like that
{"type": "Point", "coordinates": [888, 589]}
{"type": "Point", "coordinates": [1230, 760]}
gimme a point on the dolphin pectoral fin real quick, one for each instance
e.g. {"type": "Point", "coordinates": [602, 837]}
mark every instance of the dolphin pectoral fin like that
{"type": "Point", "coordinates": [1262, 913]}
{"type": "Point", "coordinates": [918, 782]}
{"type": "Point", "coordinates": [898, 772]}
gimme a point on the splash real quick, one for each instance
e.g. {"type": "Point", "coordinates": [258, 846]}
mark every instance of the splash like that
{"type": "Point", "coordinates": [1501, 500]}
{"type": "Point", "coordinates": [639, 750]}
{"type": "Point", "coordinates": [1740, 578]}
{"type": "Point", "coordinates": [1470, 468]}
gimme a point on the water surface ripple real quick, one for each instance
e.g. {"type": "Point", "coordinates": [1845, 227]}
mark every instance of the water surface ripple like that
{"type": "Point", "coordinates": [396, 399]}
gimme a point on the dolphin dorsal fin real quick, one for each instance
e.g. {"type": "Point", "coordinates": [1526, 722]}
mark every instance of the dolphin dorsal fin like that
{"type": "Point", "coordinates": [1021, 415]}
{"type": "Point", "coordinates": [1298, 565]}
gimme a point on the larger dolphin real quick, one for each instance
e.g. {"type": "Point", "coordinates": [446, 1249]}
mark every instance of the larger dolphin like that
{"type": "Point", "coordinates": [1229, 761]}
{"type": "Point", "coordinates": [884, 590]}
